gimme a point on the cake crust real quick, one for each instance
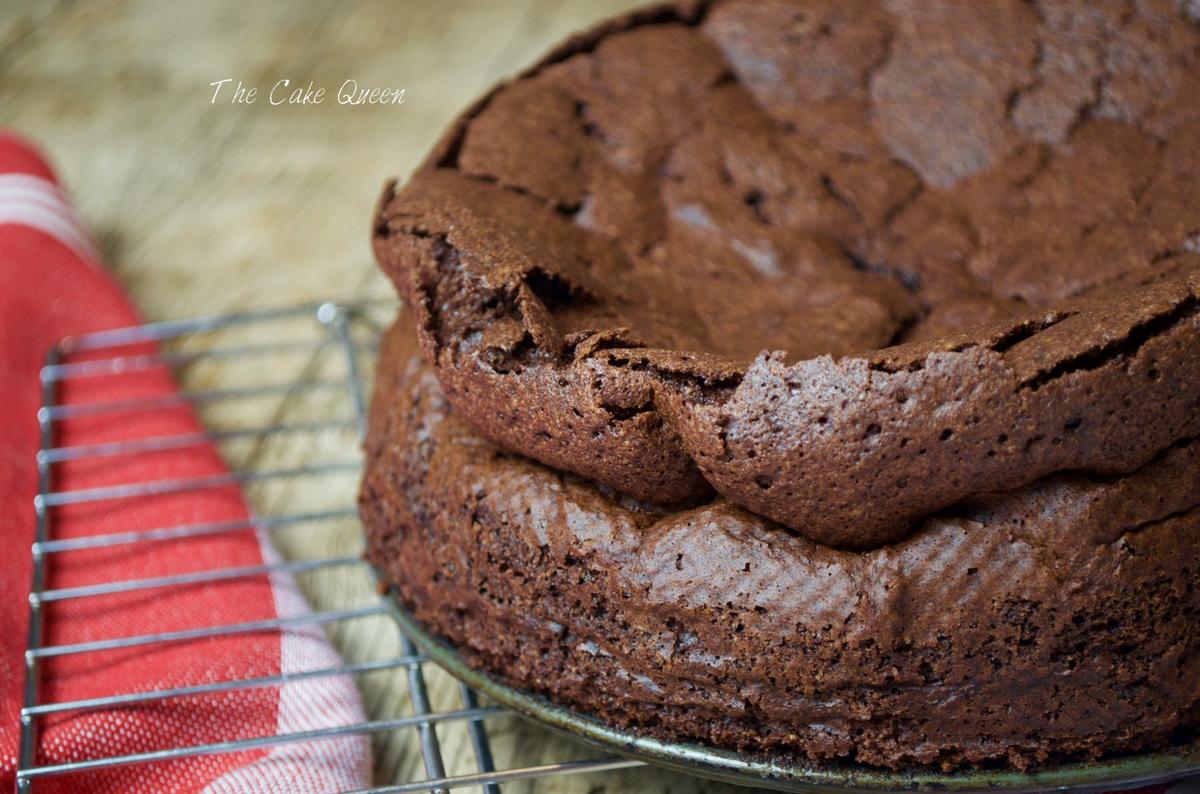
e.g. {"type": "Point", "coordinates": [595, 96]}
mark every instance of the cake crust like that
{"type": "Point", "coordinates": [1052, 623]}
{"type": "Point", "coordinates": [846, 263]}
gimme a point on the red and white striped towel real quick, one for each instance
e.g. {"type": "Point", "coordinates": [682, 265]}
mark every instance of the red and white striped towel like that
{"type": "Point", "coordinates": [51, 285]}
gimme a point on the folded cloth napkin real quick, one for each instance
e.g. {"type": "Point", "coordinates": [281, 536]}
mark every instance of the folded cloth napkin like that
{"type": "Point", "coordinates": [51, 285]}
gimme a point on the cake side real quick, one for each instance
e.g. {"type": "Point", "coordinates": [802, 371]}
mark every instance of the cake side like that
{"type": "Point", "coordinates": [1054, 622]}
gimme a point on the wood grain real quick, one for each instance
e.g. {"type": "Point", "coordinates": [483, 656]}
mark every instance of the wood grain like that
{"type": "Point", "coordinates": [202, 207]}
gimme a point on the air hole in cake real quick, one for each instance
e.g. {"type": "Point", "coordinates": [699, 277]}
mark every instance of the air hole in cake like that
{"type": "Point", "coordinates": [552, 289]}
{"type": "Point", "coordinates": [754, 199]}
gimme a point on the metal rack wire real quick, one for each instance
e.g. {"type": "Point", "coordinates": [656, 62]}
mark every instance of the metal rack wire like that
{"type": "Point", "coordinates": [332, 344]}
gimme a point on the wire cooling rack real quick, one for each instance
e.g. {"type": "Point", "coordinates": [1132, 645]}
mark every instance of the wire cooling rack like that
{"type": "Point", "coordinates": [307, 404]}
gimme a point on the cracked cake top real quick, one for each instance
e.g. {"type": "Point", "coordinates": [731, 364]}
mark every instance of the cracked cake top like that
{"type": "Point", "coordinates": [846, 263]}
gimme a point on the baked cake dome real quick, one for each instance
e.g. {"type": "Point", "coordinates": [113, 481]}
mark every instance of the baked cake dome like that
{"type": "Point", "coordinates": [846, 263]}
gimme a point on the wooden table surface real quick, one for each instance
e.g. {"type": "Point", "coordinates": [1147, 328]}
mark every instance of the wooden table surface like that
{"type": "Point", "coordinates": [203, 206]}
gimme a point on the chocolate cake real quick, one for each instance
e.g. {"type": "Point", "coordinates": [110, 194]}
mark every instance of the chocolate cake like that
{"type": "Point", "coordinates": [1055, 621]}
{"type": "Point", "coordinates": [854, 347]}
